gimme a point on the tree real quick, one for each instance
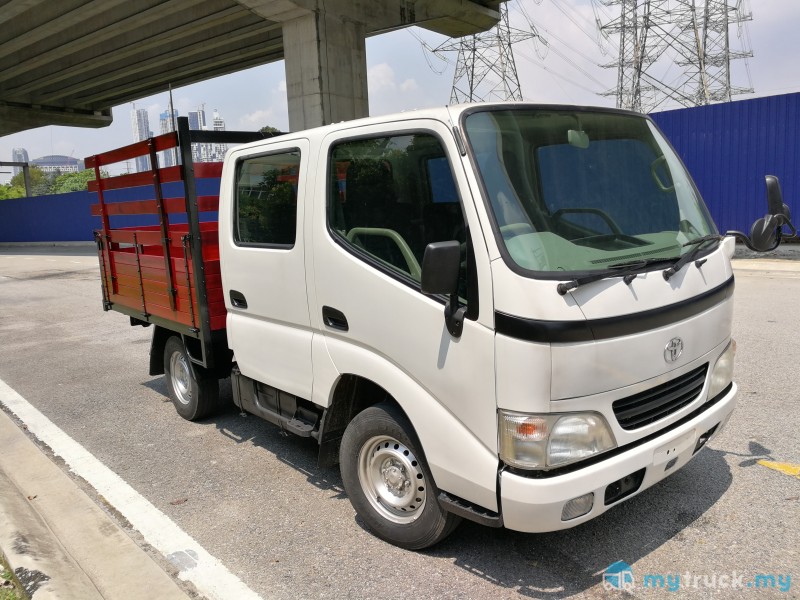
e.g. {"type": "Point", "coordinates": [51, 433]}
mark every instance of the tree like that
{"type": "Point", "coordinates": [73, 182]}
{"type": "Point", "coordinates": [270, 129]}
{"type": "Point", "coordinates": [7, 192]}
{"type": "Point", "coordinates": [41, 182]}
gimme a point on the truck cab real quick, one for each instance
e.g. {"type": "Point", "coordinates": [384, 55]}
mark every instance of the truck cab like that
{"type": "Point", "coordinates": [511, 313]}
{"type": "Point", "coordinates": [545, 406]}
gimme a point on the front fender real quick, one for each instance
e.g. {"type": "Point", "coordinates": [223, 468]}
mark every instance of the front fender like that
{"type": "Point", "coordinates": [459, 462]}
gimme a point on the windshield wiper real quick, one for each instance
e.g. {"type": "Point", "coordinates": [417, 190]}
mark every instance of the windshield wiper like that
{"type": "Point", "coordinates": [689, 256]}
{"type": "Point", "coordinates": [627, 270]}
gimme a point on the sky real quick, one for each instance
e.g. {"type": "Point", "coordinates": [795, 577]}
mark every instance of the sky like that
{"type": "Point", "coordinates": [563, 65]}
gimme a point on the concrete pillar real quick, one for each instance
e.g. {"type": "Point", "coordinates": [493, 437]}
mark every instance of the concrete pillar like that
{"type": "Point", "coordinates": [326, 70]}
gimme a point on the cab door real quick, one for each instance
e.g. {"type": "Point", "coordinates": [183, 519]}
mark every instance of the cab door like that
{"type": "Point", "coordinates": [388, 196]}
{"type": "Point", "coordinates": [263, 265]}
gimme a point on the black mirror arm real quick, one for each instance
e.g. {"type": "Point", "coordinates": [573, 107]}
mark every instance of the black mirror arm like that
{"type": "Point", "coordinates": [454, 316]}
{"type": "Point", "coordinates": [743, 237]}
{"type": "Point", "coordinates": [782, 220]}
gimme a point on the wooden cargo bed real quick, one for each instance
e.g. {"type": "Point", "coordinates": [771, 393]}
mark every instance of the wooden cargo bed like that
{"type": "Point", "coordinates": [167, 273]}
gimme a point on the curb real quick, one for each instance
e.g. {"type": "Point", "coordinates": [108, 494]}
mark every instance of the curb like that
{"type": "Point", "coordinates": [81, 244]}
{"type": "Point", "coordinates": [766, 264]}
{"type": "Point", "coordinates": [58, 542]}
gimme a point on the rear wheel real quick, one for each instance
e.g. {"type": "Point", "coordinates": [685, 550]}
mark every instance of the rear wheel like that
{"type": "Point", "coordinates": [388, 481]}
{"type": "Point", "coordinates": [194, 393]}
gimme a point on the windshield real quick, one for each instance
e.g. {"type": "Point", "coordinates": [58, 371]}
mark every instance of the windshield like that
{"type": "Point", "coordinates": [580, 191]}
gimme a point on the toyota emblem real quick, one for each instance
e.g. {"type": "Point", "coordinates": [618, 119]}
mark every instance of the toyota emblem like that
{"type": "Point", "coordinates": [673, 350]}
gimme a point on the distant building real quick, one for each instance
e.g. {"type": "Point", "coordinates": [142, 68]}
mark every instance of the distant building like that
{"type": "Point", "coordinates": [57, 163]}
{"type": "Point", "coordinates": [218, 150]}
{"type": "Point", "coordinates": [18, 155]}
{"type": "Point", "coordinates": [140, 122]}
{"type": "Point", "coordinates": [197, 122]}
{"type": "Point", "coordinates": [167, 124]}
{"type": "Point", "coordinates": [197, 119]}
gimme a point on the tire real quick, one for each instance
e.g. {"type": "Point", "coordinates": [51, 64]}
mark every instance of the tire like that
{"type": "Point", "coordinates": [194, 393]}
{"type": "Point", "coordinates": [387, 479]}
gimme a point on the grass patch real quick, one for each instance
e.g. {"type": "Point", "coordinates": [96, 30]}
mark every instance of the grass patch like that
{"type": "Point", "coordinates": [10, 589]}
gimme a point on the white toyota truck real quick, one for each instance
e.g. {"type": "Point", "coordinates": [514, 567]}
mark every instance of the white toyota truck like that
{"type": "Point", "coordinates": [509, 313]}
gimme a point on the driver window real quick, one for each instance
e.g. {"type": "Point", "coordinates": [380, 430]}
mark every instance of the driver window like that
{"type": "Point", "coordinates": [390, 197]}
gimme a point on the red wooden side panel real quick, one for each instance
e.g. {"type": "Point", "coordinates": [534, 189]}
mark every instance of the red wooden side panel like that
{"type": "Point", "coordinates": [140, 282]}
{"type": "Point", "coordinates": [150, 269]}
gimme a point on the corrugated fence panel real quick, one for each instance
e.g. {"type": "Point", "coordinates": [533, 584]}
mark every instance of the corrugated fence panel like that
{"type": "Point", "coordinates": [730, 147]}
{"type": "Point", "coordinates": [68, 218]}
{"type": "Point", "coordinates": [727, 147]}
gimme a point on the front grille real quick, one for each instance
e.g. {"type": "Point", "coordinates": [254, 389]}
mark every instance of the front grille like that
{"type": "Point", "coordinates": [656, 403]}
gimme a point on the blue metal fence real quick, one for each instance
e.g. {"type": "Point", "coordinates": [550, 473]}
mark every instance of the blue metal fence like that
{"type": "Point", "coordinates": [730, 147]}
{"type": "Point", "coordinates": [68, 218]}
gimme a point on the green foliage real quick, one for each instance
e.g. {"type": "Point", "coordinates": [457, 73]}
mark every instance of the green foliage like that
{"type": "Point", "coordinates": [269, 129]}
{"type": "Point", "coordinates": [72, 182]}
{"type": "Point", "coordinates": [268, 213]}
{"type": "Point", "coordinates": [7, 192]}
{"type": "Point", "coordinates": [10, 588]}
{"type": "Point", "coordinates": [48, 183]}
{"type": "Point", "coordinates": [41, 182]}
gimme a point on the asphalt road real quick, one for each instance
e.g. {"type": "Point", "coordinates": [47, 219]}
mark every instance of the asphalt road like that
{"type": "Point", "coordinates": [256, 500]}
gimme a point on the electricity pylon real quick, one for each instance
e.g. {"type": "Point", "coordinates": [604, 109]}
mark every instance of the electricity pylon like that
{"type": "Point", "coordinates": [693, 35]}
{"type": "Point", "coordinates": [485, 67]}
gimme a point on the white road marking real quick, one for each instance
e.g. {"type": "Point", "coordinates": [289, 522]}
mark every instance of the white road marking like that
{"type": "Point", "coordinates": [207, 573]}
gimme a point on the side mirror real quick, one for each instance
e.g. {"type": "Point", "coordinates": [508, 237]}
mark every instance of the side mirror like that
{"type": "Point", "coordinates": [767, 233]}
{"type": "Point", "coordinates": [440, 267]}
{"type": "Point", "coordinates": [775, 203]}
{"type": "Point", "coordinates": [764, 234]}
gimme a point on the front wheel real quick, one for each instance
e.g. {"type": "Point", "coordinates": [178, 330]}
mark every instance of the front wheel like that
{"type": "Point", "coordinates": [388, 481]}
{"type": "Point", "coordinates": [194, 393]}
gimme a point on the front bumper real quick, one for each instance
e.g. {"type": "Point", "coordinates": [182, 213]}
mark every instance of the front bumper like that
{"type": "Point", "coordinates": [536, 505]}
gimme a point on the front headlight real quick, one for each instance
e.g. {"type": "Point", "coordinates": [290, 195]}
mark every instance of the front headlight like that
{"type": "Point", "coordinates": [549, 440]}
{"type": "Point", "coordinates": [722, 373]}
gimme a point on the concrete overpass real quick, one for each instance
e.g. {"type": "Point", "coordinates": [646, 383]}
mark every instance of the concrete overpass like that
{"type": "Point", "coordinates": [67, 62]}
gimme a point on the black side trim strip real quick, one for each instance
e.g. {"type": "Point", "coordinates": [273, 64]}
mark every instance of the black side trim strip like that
{"type": "Point", "coordinates": [559, 332]}
{"type": "Point", "coordinates": [620, 449]}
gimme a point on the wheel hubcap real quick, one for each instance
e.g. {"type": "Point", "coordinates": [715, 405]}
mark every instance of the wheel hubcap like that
{"type": "Point", "coordinates": [181, 377]}
{"type": "Point", "coordinates": [392, 479]}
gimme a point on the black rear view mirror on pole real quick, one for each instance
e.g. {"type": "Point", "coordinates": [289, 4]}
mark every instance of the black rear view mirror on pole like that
{"type": "Point", "coordinates": [767, 232]}
{"type": "Point", "coordinates": [440, 267]}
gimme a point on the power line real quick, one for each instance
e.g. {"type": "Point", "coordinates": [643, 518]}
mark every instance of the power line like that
{"type": "Point", "coordinates": [485, 67]}
{"type": "Point", "coordinates": [690, 34]}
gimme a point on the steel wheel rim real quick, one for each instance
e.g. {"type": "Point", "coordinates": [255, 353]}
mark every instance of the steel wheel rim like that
{"type": "Point", "coordinates": [181, 377]}
{"type": "Point", "coordinates": [392, 479]}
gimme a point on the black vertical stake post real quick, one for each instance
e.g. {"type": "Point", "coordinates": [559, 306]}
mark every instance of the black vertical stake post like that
{"type": "Point", "coordinates": [163, 220]}
{"type": "Point", "coordinates": [106, 227]}
{"type": "Point", "coordinates": [196, 242]}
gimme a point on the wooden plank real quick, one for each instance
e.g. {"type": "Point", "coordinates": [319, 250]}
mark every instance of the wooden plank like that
{"type": "Point", "coordinates": [150, 207]}
{"type": "Point", "coordinates": [121, 236]}
{"type": "Point", "coordinates": [210, 170]}
{"type": "Point", "coordinates": [166, 175]}
{"type": "Point", "coordinates": [132, 207]}
{"type": "Point", "coordinates": [163, 142]}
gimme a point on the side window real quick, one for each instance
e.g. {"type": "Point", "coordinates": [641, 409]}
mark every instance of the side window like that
{"type": "Point", "coordinates": [390, 197]}
{"type": "Point", "coordinates": [266, 199]}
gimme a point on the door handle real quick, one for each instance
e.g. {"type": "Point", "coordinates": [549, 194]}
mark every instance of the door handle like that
{"type": "Point", "coordinates": [238, 299]}
{"type": "Point", "coordinates": [334, 319]}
